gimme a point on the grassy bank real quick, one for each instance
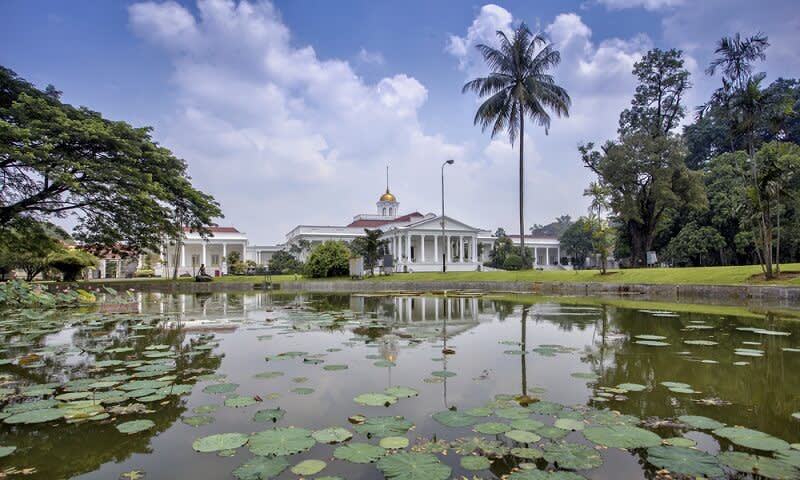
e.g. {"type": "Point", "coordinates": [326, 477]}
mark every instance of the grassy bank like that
{"type": "Point", "coordinates": [737, 275]}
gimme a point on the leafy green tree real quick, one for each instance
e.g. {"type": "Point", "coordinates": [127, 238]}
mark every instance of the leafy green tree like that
{"type": "Point", "coordinates": [503, 247]}
{"type": "Point", "coordinates": [576, 241]}
{"type": "Point", "coordinates": [513, 262]}
{"type": "Point", "coordinates": [329, 259]}
{"type": "Point", "coordinates": [554, 229]}
{"type": "Point", "coordinates": [603, 239]}
{"type": "Point", "coordinates": [646, 179]}
{"type": "Point", "coordinates": [25, 244]}
{"type": "Point", "coordinates": [71, 262]}
{"type": "Point", "coordinates": [370, 246]}
{"type": "Point", "coordinates": [519, 85]}
{"type": "Point", "coordinates": [657, 106]}
{"type": "Point", "coordinates": [118, 183]}
{"type": "Point", "coordinates": [284, 262]}
{"type": "Point", "coordinates": [696, 245]}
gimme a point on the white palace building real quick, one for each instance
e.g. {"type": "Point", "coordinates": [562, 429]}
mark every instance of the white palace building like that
{"type": "Point", "coordinates": [414, 240]}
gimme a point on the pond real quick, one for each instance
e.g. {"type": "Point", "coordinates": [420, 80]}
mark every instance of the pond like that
{"type": "Point", "coordinates": [287, 386]}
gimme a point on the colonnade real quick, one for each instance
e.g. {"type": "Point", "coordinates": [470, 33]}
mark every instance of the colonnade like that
{"type": "Point", "coordinates": [466, 248]}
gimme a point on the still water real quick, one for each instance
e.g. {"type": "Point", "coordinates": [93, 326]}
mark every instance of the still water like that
{"type": "Point", "coordinates": [527, 386]}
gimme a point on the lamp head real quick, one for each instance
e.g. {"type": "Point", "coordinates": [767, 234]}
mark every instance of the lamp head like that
{"type": "Point", "coordinates": [450, 162]}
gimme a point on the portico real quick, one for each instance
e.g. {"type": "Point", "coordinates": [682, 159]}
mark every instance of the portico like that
{"type": "Point", "coordinates": [420, 246]}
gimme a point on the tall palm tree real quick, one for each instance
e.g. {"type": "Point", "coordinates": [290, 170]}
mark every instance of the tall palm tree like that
{"type": "Point", "coordinates": [519, 84]}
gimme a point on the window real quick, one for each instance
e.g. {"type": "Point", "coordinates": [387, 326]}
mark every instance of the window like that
{"type": "Point", "coordinates": [195, 260]}
{"type": "Point", "coordinates": [384, 210]}
{"type": "Point", "coordinates": [215, 260]}
{"type": "Point", "coordinates": [390, 211]}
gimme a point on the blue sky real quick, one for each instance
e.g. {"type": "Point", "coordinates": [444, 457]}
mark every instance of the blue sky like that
{"type": "Point", "coordinates": [289, 111]}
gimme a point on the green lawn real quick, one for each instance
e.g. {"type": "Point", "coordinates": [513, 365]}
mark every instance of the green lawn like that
{"type": "Point", "coordinates": [694, 275]}
{"type": "Point", "coordinates": [671, 276]}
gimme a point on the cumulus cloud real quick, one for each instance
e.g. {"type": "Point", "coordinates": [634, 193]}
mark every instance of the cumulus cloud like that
{"type": "Point", "coordinates": [483, 30]}
{"type": "Point", "coordinates": [374, 58]}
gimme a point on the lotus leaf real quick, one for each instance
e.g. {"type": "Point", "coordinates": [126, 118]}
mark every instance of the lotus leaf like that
{"type": "Point", "coordinates": [198, 420]}
{"type": "Point", "coordinates": [572, 456]}
{"type": "Point", "coordinates": [585, 375]}
{"type": "Point", "coordinates": [652, 343]}
{"type": "Point", "coordinates": [698, 421]}
{"type": "Point", "coordinates": [221, 388]}
{"type": "Point", "coordinates": [384, 363]}
{"type": "Point", "coordinates": [35, 416]}
{"type": "Point", "coordinates": [569, 424]}
{"type": "Point", "coordinates": [479, 412]}
{"type": "Point", "coordinates": [268, 375]}
{"type": "Point", "coordinates": [239, 401]}
{"type": "Point", "coordinates": [527, 453]}
{"type": "Point", "coordinates": [273, 414]}
{"type": "Point", "coordinates": [545, 408]}
{"type": "Point", "coordinates": [492, 428]}
{"type": "Point", "coordinates": [680, 442]}
{"type": "Point", "coordinates": [332, 435]}
{"type": "Point", "coordinates": [651, 337]}
{"type": "Point", "coordinates": [523, 436]}
{"type": "Point", "coordinates": [450, 418]}
{"type": "Point", "coordinates": [303, 391]}
{"type": "Point", "coordinates": [205, 408]}
{"type": "Point", "coordinates": [6, 451]}
{"type": "Point", "coordinates": [261, 468]}
{"type": "Point", "coordinates": [375, 399]}
{"type": "Point", "coordinates": [309, 467]}
{"type": "Point", "coordinates": [707, 343]}
{"type": "Point", "coordinates": [526, 424]}
{"type": "Point", "coordinates": [554, 433]}
{"type": "Point", "coordinates": [443, 374]}
{"type": "Point", "coordinates": [135, 426]}
{"type": "Point", "coordinates": [622, 436]}
{"type": "Point", "coordinates": [475, 462]}
{"type": "Point", "coordinates": [333, 368]}
{"type": "Point", "coordinates": [512, 413]}
{"type": "Point", "coordinates": [384, 426]}
{"type": "Point", "coordinates": [792, 457]}
{"type": "Point", "coordinates": [755, 464]}
{"type": "Point", "coordinates": [359, 453]}
{"type": "Point", "coordinates": [685, 461]}
{"type": "Point", "coordinates": [281, 441]}
{"type": "Point", "coordinates": [752, 438]}
{"type": "Point", "coordinates": [401, 392]}
{"type": "Point", "coordinates": [393, 443]}
{"type": "Point", "coordinates": [631, 387]}
{"type": "Point", "coordinates": [413, 466]}
{"type": "Point", "coordinates": [220, 441]}
{"type": "Point", "coordinates": [465, 446]}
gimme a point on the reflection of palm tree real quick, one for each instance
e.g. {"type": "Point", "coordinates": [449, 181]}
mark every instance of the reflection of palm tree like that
{"type": "Point", "coordinates": [524, 345]}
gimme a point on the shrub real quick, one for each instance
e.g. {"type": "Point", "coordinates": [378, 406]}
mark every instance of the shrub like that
{"type": "Point", "coordinates": [143, 273]}
{"type": "Point", "coordinates": [330, 259]}
{"type": "Point", "coordinates": [71, 263]}
{"type": "Point", "coordinates": [513, 262]}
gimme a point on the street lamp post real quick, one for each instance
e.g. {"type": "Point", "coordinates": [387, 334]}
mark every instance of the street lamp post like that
{"type": "Point", "coordinates": [444, 239]}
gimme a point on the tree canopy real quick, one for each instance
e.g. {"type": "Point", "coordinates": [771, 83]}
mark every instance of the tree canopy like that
{"type": "Point", "coordinates": [118, 183]}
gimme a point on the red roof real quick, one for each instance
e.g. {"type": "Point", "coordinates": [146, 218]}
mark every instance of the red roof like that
{"type": "Point", "coordinates": [378, 223]}
{"type": "Point", "coordinates": [216, 230]}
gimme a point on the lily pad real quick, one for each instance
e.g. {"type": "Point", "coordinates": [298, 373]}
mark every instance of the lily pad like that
{"type": "Point", "coordinates": [269, 414]}
{"type": "Point", "coordinates": [527, 453]}
{"type": "Point", "coordinates": [679, 442]}
{"type": "Point", "coordinates": [652, 343]}
{"type": "Point", "coordinates": [261, 468]}
{"type": "Point", "coordinates": [450, 418]}
{"type": "Point", "coordinates": [220, 441]}
{"type": "Point", "coordinates": [523, 436]}
{"type": "Point", "coordinates": [375, 399]}
{"type": "Point", "coordinates": [281, 441]}
{"type": "Point", "coordinates": [303, 390]}
{"type": "Point", "coordinates": [6, 450]}
{"type": "Point", "coordinates": [309, 467]}
{"type": "Point", "coordinates": [752, 439]}
{"type": "Point", "coordinates": [622, 436]}
{"type": "Point", "coordinates": [240, 401]}
{"type": "Point", "coordinates": [492, 428]}
{"type": "Point", "coordinates": [35, 416]}
{"type": "Point", "coordinates": [686, 461]}
{"type": "Point", "coordinates": [631, 387]}
{"type": "Point", "coordinates": [706, 343]}
{"type": "Point", "coordinates": [135, 426]}
{"type": "Point", "coordinates": [443, 374]}
{"type": "Point", "coordinates": [572, 456]}
{"type": "Point", "coordinates": [569, 424]}
{"type": "Point", "coordinates": [413, 466]}
{"type": "Point", "coordinates": [700, 422]}
{"type": "Point", "coordinates": [401, 392]}
{"type": "Point", "coordinates": [221, 388]}
{"type": "Point", "coordinates": [198, 420]}
{"type": "Point", "coordinates": [332, 435]}
{"type": "Point", "coordinates": [526, 424]}
{"type": "Point", "coordinates": [393, 443]}
{"type": "Point", "coordinates": [359, 453]}
{"type": "Point", "coordinates": [756, 464]}
{"type": "Point", "coordinates": [334, 368]}
{"type": "Point", "coordinates": [475, 462]}
{"type": "Point", "coordinates": [384, 426]}
{"type": "Point", "coordinates": [479, 412]}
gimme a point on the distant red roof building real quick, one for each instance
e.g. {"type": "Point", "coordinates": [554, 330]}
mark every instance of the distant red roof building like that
{"type": "Point", "coordinates": [380, 223]}
{"type": "Point", "coordinates": [216, 230]}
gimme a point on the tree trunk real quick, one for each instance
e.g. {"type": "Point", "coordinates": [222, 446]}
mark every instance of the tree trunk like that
{"type": "Point", "coordinates": [524, 342]}
{"type": "Point", "coordinates": [177, 257]}
{"type": "Point", "coordinates": [521, 185]}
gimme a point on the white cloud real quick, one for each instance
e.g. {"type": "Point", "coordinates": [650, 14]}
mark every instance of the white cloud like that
{"type": "Point", "coordinates": [373, 58]}
{"type": "Point", "coordinates": [484, 28]}
{"type": "Point", "coordinates": [279, 135]}
{"type": "Point", "coordinates": [646, 4]}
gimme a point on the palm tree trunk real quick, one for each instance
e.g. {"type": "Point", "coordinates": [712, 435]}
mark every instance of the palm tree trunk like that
{"type": "Point", "coordinates": [521, 184]}
{"type": "Point", "coordinates": [524, 346]}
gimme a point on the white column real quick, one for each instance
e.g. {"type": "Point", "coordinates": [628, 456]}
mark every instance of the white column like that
{"type": "Point", "coordinates": [474, 249]}
{"type": "Point", "coordinates": [436, 248]}
{"type": "Point", "coordinates": [535, 256]}
{"type": "Point", "coordinates": [423, 304]}
{"type": "Point", "coordinates": [422, 248]}
{"type": "Point", "coordinates": [558, 252]}
{"type": "Point", "coordinates": [183, 255]}
{"type": "Point", "coordinates": [119, 268]}
{"type": "Point", "coordinates": [204, 262]}
{"type": "Point", "coordinates": [408, 247]}
{"type": "Point", "coordinates": [547, 256]}
{"type": "Point", "coordinates": [224, 250]}
{"type": "Point", "coordinates": [449, 249]}
{"type": "Point", "coordinates": [461, 249]}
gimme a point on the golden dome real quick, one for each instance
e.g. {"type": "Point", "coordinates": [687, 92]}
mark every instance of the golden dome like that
{"type": "Point", "coordinates": [387, 197]}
